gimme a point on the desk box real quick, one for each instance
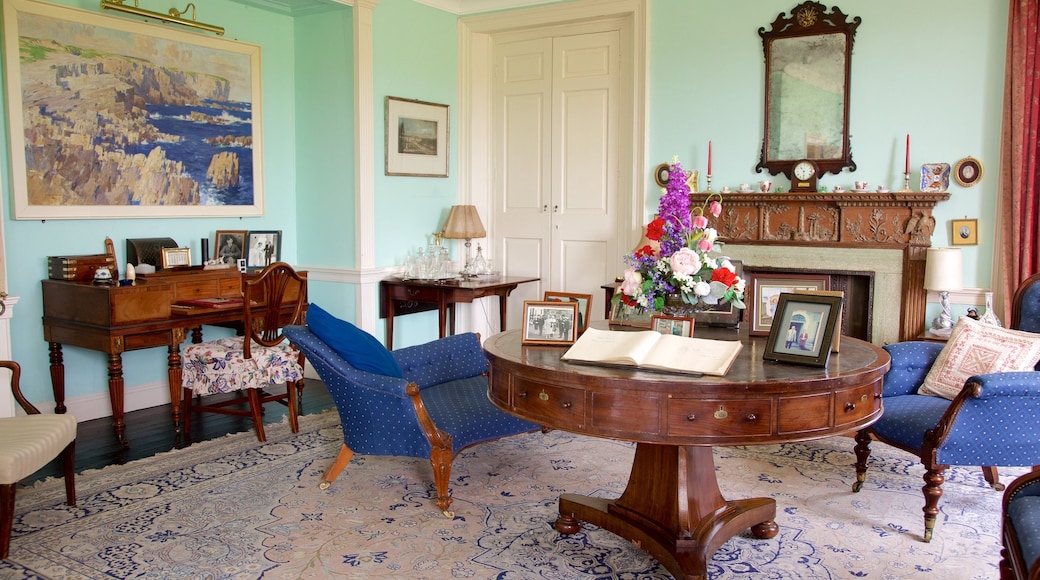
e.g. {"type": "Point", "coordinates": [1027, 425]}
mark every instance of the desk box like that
{"type": "Point", "coordinates": [79, 268]}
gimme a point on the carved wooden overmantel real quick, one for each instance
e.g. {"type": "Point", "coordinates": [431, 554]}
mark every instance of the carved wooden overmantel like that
{"type": "Point", "coordinates": [896, 220]}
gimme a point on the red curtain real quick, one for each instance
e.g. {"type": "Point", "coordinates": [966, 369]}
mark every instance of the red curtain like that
{"type": "Point", "coordinates": [1018, 216]}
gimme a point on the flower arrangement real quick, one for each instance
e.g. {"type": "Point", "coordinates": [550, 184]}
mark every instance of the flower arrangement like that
{"type": "Point", "coordinates": [679, 259]}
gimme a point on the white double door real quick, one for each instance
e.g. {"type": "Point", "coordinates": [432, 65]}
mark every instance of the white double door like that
{"type": "Point", "coordinates": [556, 115]}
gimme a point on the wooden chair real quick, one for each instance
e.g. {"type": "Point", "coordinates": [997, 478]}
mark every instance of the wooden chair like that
{"type": "Point", "coordinates": [1020, 523]}
{"type": "Point", "coordinates": [991, 422]}
{"type": "Point", "coordinates": [255, 361]}
{"type": "Point", "coordinates": [28, 443]}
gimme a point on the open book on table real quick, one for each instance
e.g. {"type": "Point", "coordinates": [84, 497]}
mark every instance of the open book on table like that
{"type": "Point", "coordinates": [650, 349]}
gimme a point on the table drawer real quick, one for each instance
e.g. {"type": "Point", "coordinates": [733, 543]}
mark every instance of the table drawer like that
{"type": "Point", "coordinates": [719, 418]}
{"type": "Point", "coordinates": [186, 290]}
{"type": "Point", "coordinates": [851, 405]}
{"type": "Point", "coordinates": [561, 406]}
{"type": "Point", "coordinates": [418, 294]}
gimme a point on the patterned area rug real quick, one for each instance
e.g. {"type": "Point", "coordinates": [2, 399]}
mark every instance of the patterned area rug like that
{"type": "Point", "coordinates": [233, 508]}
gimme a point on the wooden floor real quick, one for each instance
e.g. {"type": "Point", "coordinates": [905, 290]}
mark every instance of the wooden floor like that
{"type": "Point", "coordinates": [150, 431]}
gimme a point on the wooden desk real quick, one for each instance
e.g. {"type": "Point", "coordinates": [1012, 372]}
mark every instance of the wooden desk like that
{"type": "Point", "coordinates": [398, 297]}
{"type": "Point", "coordinates": [115, 319]}
{"type": "Point", "coordinates": [672, 506]}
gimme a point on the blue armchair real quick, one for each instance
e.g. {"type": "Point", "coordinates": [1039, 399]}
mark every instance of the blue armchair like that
{"type": "Point", "coordinates": [436, 410]}
{"type": "Point", "coordinates": [1020, 554]}
{"type": "Point", "coordinates": [992, 421]}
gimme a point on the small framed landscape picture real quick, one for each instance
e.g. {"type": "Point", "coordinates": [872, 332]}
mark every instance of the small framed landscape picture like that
{"type": "Point", "coordinates": [803, 329]}
{"type": "Point", "coordinates": [766, 288]}
{"type": "Point", "coordinates": [584, 302]}
{"type": "Point", "coordinates": [263, 249]}
{"type": "Point", "coordinates": [672, 325]}
{"type": "Point", "coordinates": [550, 322]}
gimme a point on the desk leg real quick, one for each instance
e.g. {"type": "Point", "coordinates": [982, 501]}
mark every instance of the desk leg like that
{"type": "Point", "coordinates": [673, 509]}
{"type": "Point", "coordinates": [502, 310]}
{"type": "Point", "coordinates": [57, 377]}
{"type": "Point", "coordinates": [115, 394]}
{"type": "Point", "coordinates": [174, 372]}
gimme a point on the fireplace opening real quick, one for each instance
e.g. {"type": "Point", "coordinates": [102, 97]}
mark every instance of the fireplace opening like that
{"type": "Point", "coordinates": [858, 286]}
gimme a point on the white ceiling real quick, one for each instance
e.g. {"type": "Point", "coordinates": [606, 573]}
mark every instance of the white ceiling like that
{"type": "Point", "coordinates": [460, 7]}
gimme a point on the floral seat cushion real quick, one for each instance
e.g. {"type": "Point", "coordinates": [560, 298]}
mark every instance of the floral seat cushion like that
{"type": "Point", "coordinates": [229, 370]}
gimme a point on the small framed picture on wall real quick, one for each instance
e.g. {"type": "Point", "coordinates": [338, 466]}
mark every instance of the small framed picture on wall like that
{"type": "Point", "coordinates": [965, 232]}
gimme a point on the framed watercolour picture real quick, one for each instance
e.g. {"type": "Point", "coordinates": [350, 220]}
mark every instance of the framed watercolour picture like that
{"type": "Point", "coordinates": [550, 322]}
{"type": "Point", "coordinates": [765, 290]}
{"type": "Point", "coordinates": [584, 302]}
{"type": "Point", "coordinates": [672, 325]}
{"type": "Point", "coordinates": [231, 246]}
{"type": "Point", "coordinates": [416, 138]}
{"type": "Point", "coordinates": [803, 329]}
{"type": "Point", "coordinates": [965, 232]}
{"type": "Point", "coordinates": [263, 248]}
{"type": "Point", "coordinates": [147, 121]}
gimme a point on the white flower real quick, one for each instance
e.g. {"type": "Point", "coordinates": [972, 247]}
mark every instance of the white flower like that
{"type": "Point", "coordinates": [702, 288]}
{"type": "Point", "coordinates": [685, 261]}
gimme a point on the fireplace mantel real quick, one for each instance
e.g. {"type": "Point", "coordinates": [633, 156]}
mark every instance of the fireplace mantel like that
{"type": "Point", "coordinates": [896, 220]}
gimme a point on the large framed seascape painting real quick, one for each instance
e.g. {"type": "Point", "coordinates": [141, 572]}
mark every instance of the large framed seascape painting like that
{"type": "Point", "coordinates": [117, 118]}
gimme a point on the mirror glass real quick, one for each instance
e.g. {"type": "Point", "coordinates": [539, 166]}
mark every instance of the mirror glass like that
{"type": "Point", "coordinates": [807, 58]}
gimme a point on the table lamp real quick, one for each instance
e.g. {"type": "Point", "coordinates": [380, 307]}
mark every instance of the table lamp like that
{"type": "Point", "coordinates": [942, 274]}
{"type": "Point", "coordinates": [463, 223]}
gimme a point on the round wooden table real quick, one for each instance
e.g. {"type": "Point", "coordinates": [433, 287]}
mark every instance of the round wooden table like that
{"type": "Point", "coordinates": [672, 506]}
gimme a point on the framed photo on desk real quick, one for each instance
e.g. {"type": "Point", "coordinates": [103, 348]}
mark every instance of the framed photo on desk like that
{"type": "Point", "coordinates": [264, 248]}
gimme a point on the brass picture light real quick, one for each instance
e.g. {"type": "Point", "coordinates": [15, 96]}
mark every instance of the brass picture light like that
{"type": "Point", "coordinates": [173, 17]}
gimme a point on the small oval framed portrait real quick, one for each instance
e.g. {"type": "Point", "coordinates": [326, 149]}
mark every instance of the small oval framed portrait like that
{"type": "Point", "coordinates": [967, 172]}
{"type": "Point", "coordinates": [661, 174]}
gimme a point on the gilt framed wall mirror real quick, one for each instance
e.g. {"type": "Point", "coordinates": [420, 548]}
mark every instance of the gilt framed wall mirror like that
{"type": "Point", "coordinates": [808, 57]}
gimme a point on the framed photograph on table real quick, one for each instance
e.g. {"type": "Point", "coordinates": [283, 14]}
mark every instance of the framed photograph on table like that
{"type": "Point", "coordinates": [550, 322]}
{"type": "Point", "coordinates": [231, 246]}
{"type": "Point", "coordinates": [672, 325]}
{"type": "Point", "coordinates": [584, 302]}
{"type": "Point", "coordinates": [765, 289]}
{"type": "Point", "coordinates": [176, 257]}
{"type": "Point", "coordinates": [803, 329]}
{"type": "Point", "coordinates": [623, 315]}
{"type": "Point", "coordinates": [263, 248]}
{"type": "Point", "coordinates": [416, 138]}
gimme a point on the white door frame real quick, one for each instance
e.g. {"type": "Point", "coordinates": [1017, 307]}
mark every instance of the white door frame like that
{"type": "Point", "coordinates": [475, 88]}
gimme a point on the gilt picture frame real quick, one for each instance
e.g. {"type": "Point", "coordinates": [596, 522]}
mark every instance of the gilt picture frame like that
{"type": "Point", "coordinates": [766, 289]}
{"type": "Point", "coordinates": [417, 136]}
{"type": "Point", "coordinates": [965, 232]}
{"type": "Point", "coordinates": [192, 131]}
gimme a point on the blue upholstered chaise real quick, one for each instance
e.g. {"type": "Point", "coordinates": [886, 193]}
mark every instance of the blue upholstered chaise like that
{"type": "Point", "coordinates": [1020, 558]}
{"type": "Point", "coordinates": [993, 421]}
{"type": "Point", "coordinates": [438, 408]}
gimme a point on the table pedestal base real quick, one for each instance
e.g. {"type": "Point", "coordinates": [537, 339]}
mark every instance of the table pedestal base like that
{"type": "Point", "coordinates": [673, 509]}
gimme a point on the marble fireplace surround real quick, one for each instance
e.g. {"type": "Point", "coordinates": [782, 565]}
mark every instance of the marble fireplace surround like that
{"type": "Point", "coordinates": [886, 234]}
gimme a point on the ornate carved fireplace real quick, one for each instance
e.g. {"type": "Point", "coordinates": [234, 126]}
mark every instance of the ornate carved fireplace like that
{"type": "Point", "coordinates": [885, 233]}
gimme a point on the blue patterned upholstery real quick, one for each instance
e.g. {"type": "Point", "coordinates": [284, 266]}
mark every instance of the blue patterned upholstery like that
{"type": "Point", "coordinates": [380, 415]}
{"type": "Point", "coordinates": [1020, 558]}
{"type": "Point", "coordinates": [992, 422]}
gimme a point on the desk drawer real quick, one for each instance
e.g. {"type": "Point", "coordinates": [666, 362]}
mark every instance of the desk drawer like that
{"type": "Point", "coordinates": [720, 418]}
{"type": "Point", "coordinates": [852, 405]}
{"type": "Point", "coordinates": [189, 290]}
{"type": "Point", "coordinates": [417, 294]}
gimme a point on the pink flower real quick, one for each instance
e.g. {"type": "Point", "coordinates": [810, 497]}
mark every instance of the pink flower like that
{"type": "Point", "coordinates": [699, 221]}
{"type": "Point", "coordinates": [705, 244]}
{"type": "Point", "coordinates": [715, 208]}
{"type": "Point", "coordinates": [685, 261]}
{"type": "Point", "coordinates": [633, 283]}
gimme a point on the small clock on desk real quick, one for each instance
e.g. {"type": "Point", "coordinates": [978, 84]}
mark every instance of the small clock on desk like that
{"type": "Point", "coordinates": [804, 174]}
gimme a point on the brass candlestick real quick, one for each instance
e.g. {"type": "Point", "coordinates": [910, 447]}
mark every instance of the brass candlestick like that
{"type": "Point", "coordinates": [906, 183]}
{"type": "Point", "coordinates": [708, 186]}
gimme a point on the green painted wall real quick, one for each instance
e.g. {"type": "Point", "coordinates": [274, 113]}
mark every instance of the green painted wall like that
{"type": "Point", "coordinates": [932, 68]}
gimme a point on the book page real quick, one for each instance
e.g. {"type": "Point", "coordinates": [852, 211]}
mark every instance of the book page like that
{"type": "Point", "coordinates": [692, 355]}
{"type": "Point", "coordinates": [612, 346]}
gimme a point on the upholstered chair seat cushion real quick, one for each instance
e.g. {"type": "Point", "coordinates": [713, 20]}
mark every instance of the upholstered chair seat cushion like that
{"type": "Point", "coordinates": [32, 441]}
{"type": "Point", "coordinates": [229, 370]}
{"type": "Point", "coordinates": [908, 417]}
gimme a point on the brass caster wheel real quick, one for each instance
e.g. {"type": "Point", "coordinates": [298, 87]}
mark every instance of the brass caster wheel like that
{"type": "Point", "coordinates": [857, 486]}
{"type": "Point", "coordinates": [324, 485]}
{"type": "Point", "coordinates": [449, 514]}
{"type": "Point", "coordinates": [998, 486]}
